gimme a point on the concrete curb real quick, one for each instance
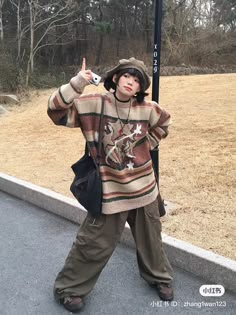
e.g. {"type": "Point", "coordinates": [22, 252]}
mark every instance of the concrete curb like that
{"type": "Point", "coordinates": [213, 268]}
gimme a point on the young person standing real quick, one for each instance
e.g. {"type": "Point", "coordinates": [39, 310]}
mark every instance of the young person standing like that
{"type": "Point", "coordinates": [132, 127]}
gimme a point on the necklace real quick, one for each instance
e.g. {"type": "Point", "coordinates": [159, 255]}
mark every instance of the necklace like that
{"type": "Point", "coordinates": [122, 124]}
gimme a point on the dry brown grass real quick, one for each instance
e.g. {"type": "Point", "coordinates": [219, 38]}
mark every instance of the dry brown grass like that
{"type": "Point", "coordinates": [197, 160]}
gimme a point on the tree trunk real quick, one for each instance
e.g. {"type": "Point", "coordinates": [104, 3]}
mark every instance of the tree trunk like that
{"type": "Point", "coordinates": [1, 21]}
{"type": "Point", "coordinates": [85, 36]}
{"type": "Point", "coordinates": [27, 77]}
{"type": "Point", "coordinates": [19, 37]}
{"type": "Point", "coordinates": [59, 49]}
{"type": "Point", "coordinates": [118, 43]}
{"type": "Point", "coordinates": [30, 64]}
{"type": "Point", "coordinates": [98, 58]}
{"type": "Point", "coordinates": [148, 36]}
{"type": "Point", "coordinates": [77, 54]}
{"type": "Point", "coordinates": [100, 46]}
{"type": "Point", "coordinates": [135, 18]}
{"type": "Point", "coordinates": [31, 57]}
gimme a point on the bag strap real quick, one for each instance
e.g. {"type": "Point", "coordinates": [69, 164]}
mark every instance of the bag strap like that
{"type": "Point", "coordinates": [100, 133]}
{"type": "Point", "coordinates": [99, 136]}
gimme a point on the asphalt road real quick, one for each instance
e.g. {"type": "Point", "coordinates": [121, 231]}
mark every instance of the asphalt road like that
{"type": "Point", "coordinates": [33, 246]}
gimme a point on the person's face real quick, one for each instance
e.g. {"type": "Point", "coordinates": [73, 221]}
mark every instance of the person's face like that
{"type": "Point", "coordinates": [127, 86]}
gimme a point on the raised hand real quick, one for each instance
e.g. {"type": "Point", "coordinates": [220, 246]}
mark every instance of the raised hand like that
{"type": "Point", "coordinates": [86, 74]}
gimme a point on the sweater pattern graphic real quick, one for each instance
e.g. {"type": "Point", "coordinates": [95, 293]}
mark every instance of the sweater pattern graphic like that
{"type": "Point", "coordinates": [119, 143]}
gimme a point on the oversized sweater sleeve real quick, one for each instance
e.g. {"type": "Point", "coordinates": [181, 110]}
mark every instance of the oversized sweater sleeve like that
{"type": "Point", "coordinates": [61, 107]}
{"type": "Point", "coordinates": [158, 125]}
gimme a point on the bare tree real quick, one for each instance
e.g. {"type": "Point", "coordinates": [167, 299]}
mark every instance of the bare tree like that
{"type": "Point", "coordinates": [58, 32]}
{"type": "Point", "coordinates": [1, 20]}
{"type": "Point", "coordinates": [54, 19]}
{"type": "Point", "coordinates": [17, 5]}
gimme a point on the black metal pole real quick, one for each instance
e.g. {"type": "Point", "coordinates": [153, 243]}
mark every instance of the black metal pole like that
{"type": "Point", "coordinates": [156, 74]}
{"type": "Point", "coordinates": [157, 50]}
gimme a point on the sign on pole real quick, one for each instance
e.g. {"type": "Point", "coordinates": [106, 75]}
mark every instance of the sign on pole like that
{"type": "Point", "coordinates": [157, 51]}
{"type": "Point", "coordinates": [156, 73]}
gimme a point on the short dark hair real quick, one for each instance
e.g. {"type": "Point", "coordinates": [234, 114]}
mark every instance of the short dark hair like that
{"type": "Point", "coordinates": [109, 84]}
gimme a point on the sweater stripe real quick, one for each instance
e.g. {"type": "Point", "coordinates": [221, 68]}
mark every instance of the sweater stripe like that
{"type": "Point", "coordinates": [124, 182]}
{"type": "Point", "coordinates": [124, 176]}
{"type": "Point", "coordinates": [62, 98]}
{"type": "Point", "coordinates": [126, 169]}
{"type": "Point", "coordinates": [128, 197]}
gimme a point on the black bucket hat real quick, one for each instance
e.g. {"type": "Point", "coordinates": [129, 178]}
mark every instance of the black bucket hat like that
{"type": "Point", "coordinates": [127, 64]}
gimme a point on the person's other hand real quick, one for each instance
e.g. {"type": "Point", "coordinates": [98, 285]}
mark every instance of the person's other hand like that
{"type": "Point", "coordinates": [86, 74]}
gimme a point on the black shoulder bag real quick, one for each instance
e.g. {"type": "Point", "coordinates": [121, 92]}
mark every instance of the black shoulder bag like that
{"type": "Point", "coordinates": [87, 184]}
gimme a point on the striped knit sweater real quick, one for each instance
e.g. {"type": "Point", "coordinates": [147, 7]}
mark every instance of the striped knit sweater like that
{"type": "Point", "coordinates": [126, 169]}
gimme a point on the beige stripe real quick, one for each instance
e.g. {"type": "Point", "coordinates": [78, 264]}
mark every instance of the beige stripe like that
{"type": "Point", "coordinates": [85, 106]}
{"type": "Point", "coordinates": [132, 187]}
{"type": "Point", "coordinates": [124, 205]}
{"type": "Point", "coordinates": [126, 177]}
{"type": "Point", "coordinates": [92, 101]}
{"type": "Point", "coordinates": [68, 93]}
{"type": "Point", "coordinates": [58, 102]}
{"type": "Point", "coordinates": [89, 135]}
{"type": "Point", "coordinates": [124, 195]}
{"type": "Point", "coordinates": [51, 104]}
{"type": "Point", "coordinates": [72, 119]}
{"type": "Point", "coordinates": [73, 87]}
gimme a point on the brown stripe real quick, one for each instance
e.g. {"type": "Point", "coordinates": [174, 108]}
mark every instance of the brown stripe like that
{"type": "Point", "coordinates": [90, 122]}
{"type": "Point", "coordinates": [56, 102]}
{"type": "Point", "coordinates": [142, 153]}
{"type": "Point", "coordinates": [164, 117]}
{"type": "Point", "coordinates": [125, 179]}
{"type": "Point", "coordinates": [158, 133]}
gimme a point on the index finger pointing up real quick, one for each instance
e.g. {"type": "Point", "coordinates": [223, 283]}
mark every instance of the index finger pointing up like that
{"type": "Point", "coordinates": [83, 64]}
